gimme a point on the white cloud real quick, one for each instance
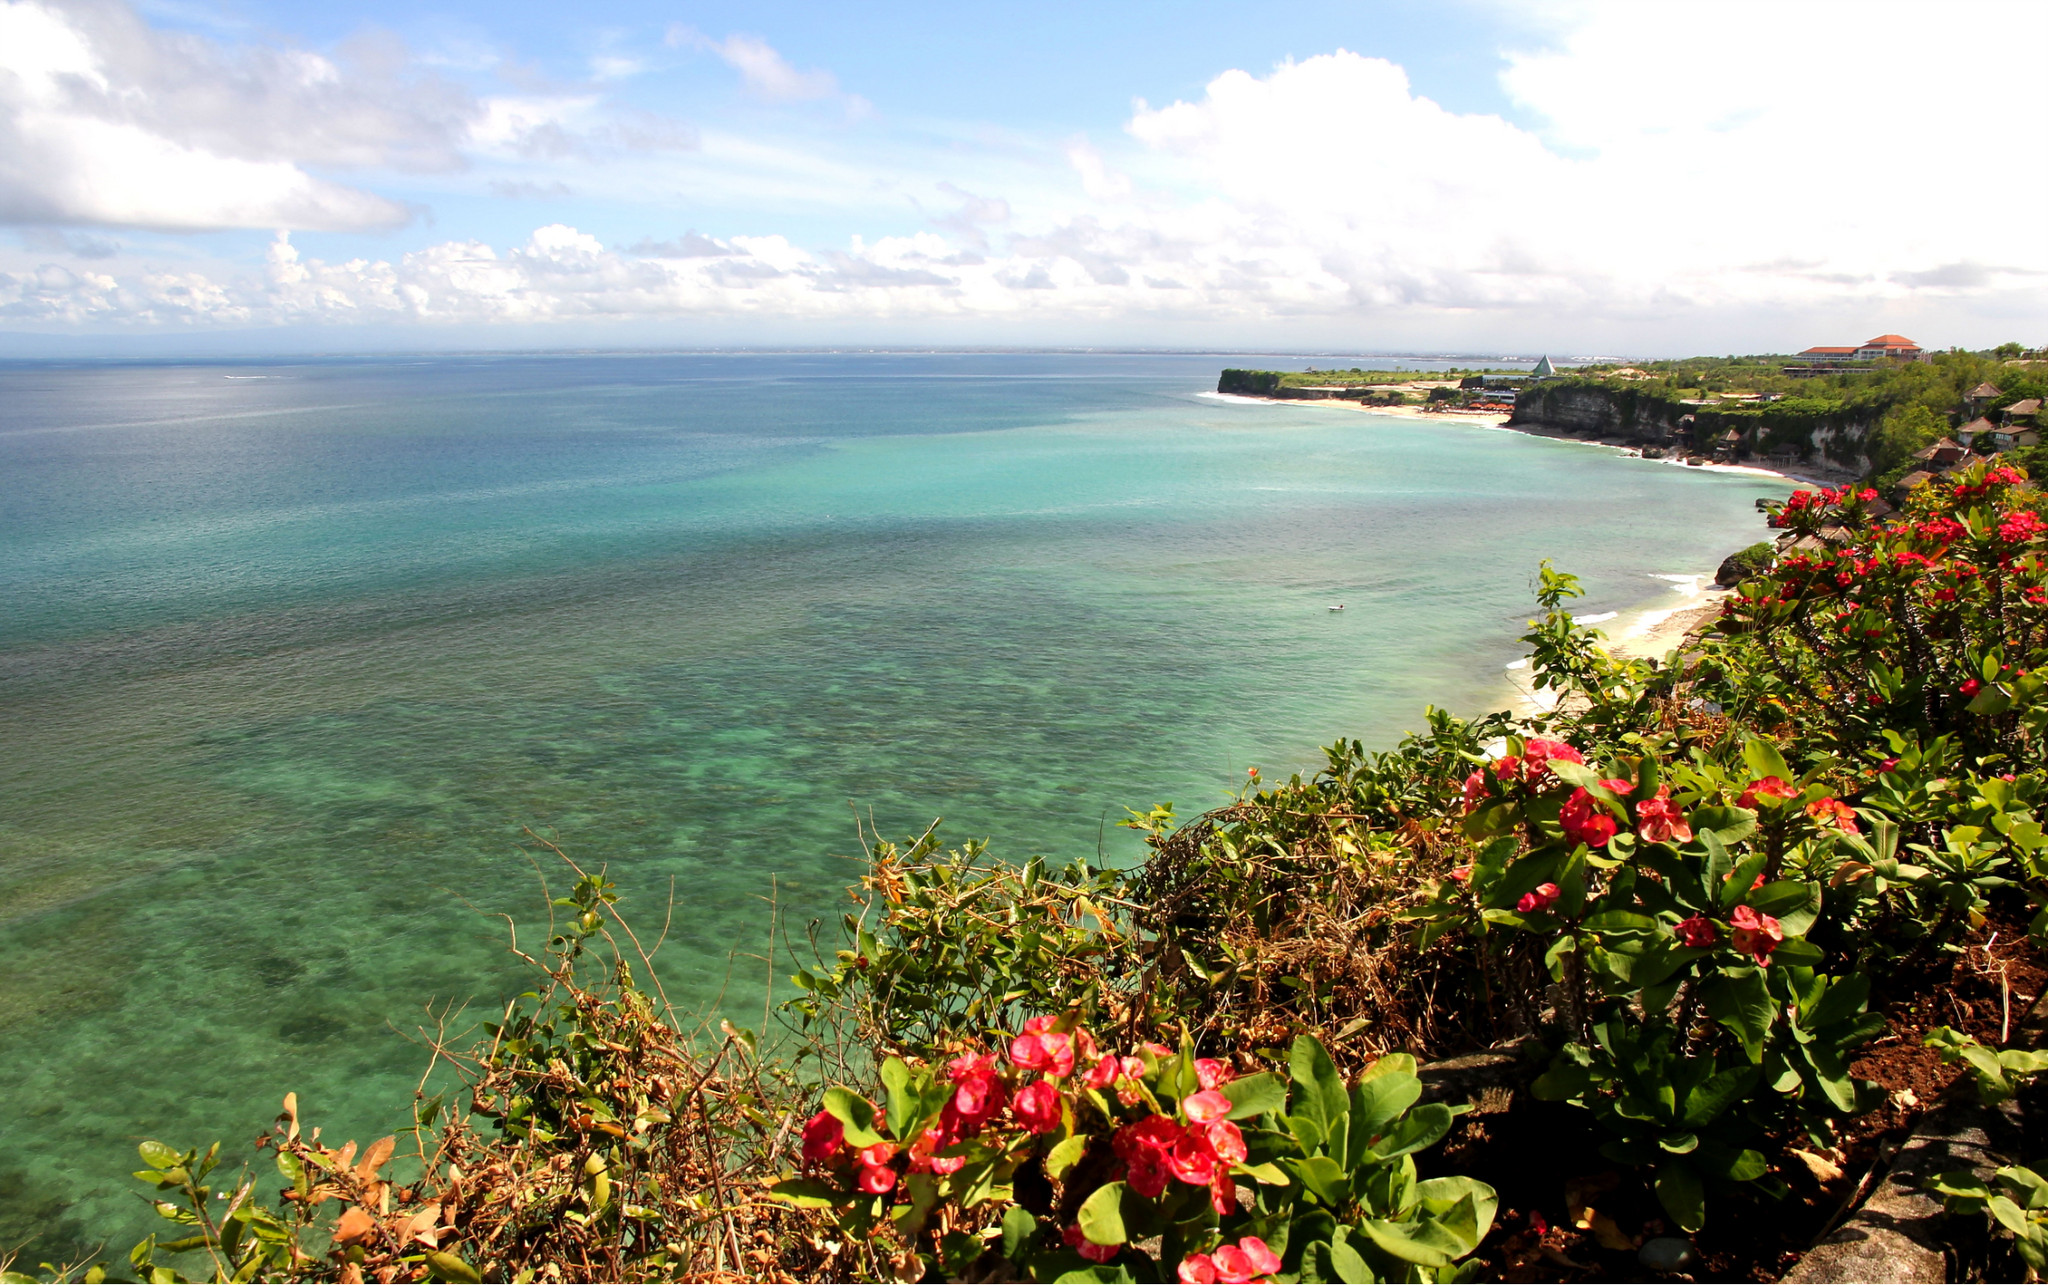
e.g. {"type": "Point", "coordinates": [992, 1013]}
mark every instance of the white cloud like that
{"type": "Point", "coordinates": [104, 120]}
{"type": "Point", "coordinates": [765, 72]}
{"type": "Point", "coordinates": [1683, 180]}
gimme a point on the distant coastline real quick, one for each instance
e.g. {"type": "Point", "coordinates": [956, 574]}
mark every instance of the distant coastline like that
{"type": "Point", "coordinates": [1501, 420]}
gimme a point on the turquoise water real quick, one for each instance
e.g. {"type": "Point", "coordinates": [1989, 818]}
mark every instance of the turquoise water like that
{"type": "Point", "coordinates": [293, 655]}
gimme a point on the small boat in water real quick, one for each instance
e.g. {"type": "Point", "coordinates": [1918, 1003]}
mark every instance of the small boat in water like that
{"type": "Point", "coordinates": [1338, 607]}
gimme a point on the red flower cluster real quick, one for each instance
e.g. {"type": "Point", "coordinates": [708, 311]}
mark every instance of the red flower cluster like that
{"type": "Point", "coordinates": [1767, 791]}
{"type": "Point", "coordinates": [1530, 768]}
{"type": "Point", "coordinates": [1246, 1261]}
{"type": "Point", "coordinates": [1696, 931]}
{"type": "Point", "coordinates": [1538, 898]}
{"type": "Point", "coordinates": [1658, 819]}
{"type": "Point", "coordinates": [1586, 820]}
{"type": "Point", "coordinates": [1756, 934]}
{"type": "Point", "coordinates": [1199, 1153]}
{"type": "Point", "coordinates": [1832, 814]}
{"type": "Point", "coordinates": [2020, 526]}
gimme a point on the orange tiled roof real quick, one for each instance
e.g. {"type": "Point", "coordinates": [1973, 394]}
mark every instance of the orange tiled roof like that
{"type": "Point", "coordinates": [1891, 341]}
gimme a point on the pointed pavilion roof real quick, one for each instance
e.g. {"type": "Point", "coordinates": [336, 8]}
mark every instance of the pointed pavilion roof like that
{"type": "Point", "coordinates": [1543, 367]}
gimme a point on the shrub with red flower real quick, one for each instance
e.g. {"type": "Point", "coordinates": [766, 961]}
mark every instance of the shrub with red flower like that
{"type": "Point", "coordinates": [1173, 1134]}
{"type": "Point", "coordinates": [1538, 898]}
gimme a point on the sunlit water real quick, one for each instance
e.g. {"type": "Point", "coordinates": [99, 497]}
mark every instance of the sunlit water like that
{"type": "Point", "coordinates": [292, 656]}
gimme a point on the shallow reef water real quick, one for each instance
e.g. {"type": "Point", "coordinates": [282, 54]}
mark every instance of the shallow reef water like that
{"type": "Point", "coordinates": [299, 660]}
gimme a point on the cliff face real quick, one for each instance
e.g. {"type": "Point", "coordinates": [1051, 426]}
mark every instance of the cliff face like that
{"type": "Point", "coordinates": [1600, 412]}
{"type": "Point", "coordinates": [1777, 433]}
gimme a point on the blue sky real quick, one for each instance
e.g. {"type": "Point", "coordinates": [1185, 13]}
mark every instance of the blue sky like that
{"type": "Point", "coordinates": [1579, 175]}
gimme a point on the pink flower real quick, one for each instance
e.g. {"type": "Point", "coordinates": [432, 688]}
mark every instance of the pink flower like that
{"type": "Point", "coordinates": [1539, 755]}
{"type": "Point", "coordinates": [1087, 1248]}
{"type": "Point", "coordinates": [1038, 1107]}
{"type": "Point", "coordinates": [1144, 1147]}
{"type": "Point", "coordinates": [1104, 1073]}
{"type": "Point", "coordinates": [1767, 791]}
{"type": "Point", "coordinates": [1756, 934]}
{"type": "Point", "coordinates": [822, 1135]}
{"type": "Point", "coordinates": [1263, 1260]}
{"type": "Point", "coordinates": [1051, 1052]}
{"type": "Point", "coordinates": [1658, 820]}
{"type": "Point", "coordinates": [923, 1157]}
{"type": "Point", "coordinates": [1226, 1141]}
{"type": "Point", "coordinates": [1888, 766]}
{"type": "Point", "coordinates": [1191, 1160]}
{"type": "Point", "coordinates": [1222, 1192]}
{"type": "Point", "coordinates": [978, 1098]}
{"type": "Point", "coordinates": [1696, 931]}
{"type": "Point", "coordinates": [1539, 899]}
{"type": "Point", "coordinates": [1198, 1269]}
{"type": "Point", "coordinates": [879, 1154]}
{"type": "Point", "coordinates": [876, 1179]}
{"type": "Point", "coordinates": [1461, 874]}
{"type": "Point", "coordinates": [1585, 820]}
{"type": "Point", "coordinates": [1475, 794]}
{"type": "Point", "coordinates": [1206, 1107]}
{"type": "Point", "coordinates": [1246, 1261]}
{"type": "Point", "coordinates": [1213, 1073]}
{"type": "Point", "coordinates": [1832, 814]}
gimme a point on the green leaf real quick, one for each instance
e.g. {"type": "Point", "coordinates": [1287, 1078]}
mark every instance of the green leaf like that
{"type": "Point", "coordinates": [1465, 1206]}
{"type": "Point", "coordinates": [1710, 1098]}
{"type": "Point", "coordinates": [1019, 1226]}
{"type": "Point", "coordinates": [1319, 1090]}
{"type": "Point", "coordinates": [1325, 1179]}
{"type": "Point", "coordinates": [903, 1104]}
{"type": "Point", "coordinates": [1099, 1274]}
{"type": "Point", "coordinates": [447, 1267]}
{"type": "Point", "coordinates": [2009, 1215]}
{"type": "Point", "coordinates": [856, 1113]}
{"type": "Point", "coordinates": [805, 1193]}
{"type": "Point", "coordinates": [1345, 1261]}
{"type": "Point", "coordinates": [1065, 1156]}
{"type": "Point", "coordinates": [158, 1156]}
{"type": "Point", "coordinates": [1102, 1215]}
{"type": "Point", "coordinates": [1764, 760]}
{"type": "Point", "coordinates": [1729, 825]}
{"type": "Point", "coordinates": [1743, 1005]}
{"type": "Point", "coordinates": [1422, 1127]}
{"type": "Point", "coordinates": [1267, 1174]}
{"type": "Point", "coordinates": [1736, 888]}
{"type": "Point", "coordinates": [1377, 1102]}
{"type": "Point", "coordinates": [1423, 1244]}
{"type": "Point", "coordinates": [1255, 1095]}
{"type": "Point", "coordinates": [1680, 1192]}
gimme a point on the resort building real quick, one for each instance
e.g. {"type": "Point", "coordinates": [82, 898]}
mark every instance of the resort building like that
{"type": "Point", "coordinates": [1882, 348]}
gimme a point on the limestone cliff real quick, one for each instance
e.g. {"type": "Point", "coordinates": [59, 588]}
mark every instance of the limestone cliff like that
{"type": "Point", "coordinates": [1792, 431]}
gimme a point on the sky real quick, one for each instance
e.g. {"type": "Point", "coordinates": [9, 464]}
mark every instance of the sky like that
{"type": "Point", "coordinates": [1642, 178]}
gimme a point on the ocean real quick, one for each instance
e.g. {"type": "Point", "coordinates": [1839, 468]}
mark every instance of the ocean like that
{"type": "Point", "coordinates": [299, 660]}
